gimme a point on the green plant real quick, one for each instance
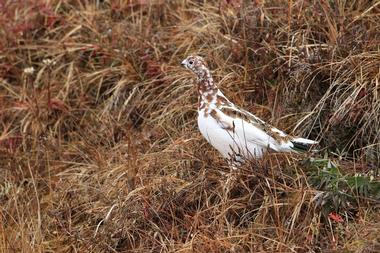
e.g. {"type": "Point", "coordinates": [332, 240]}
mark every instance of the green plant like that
{"type": "Point", "coordinates": [338, 191]}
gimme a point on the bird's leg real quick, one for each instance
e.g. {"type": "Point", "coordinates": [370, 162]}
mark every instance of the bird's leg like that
{"type": "Point", "coordinates": [231, 176]}
{"type": "Point", "coordinates": [232, 166]}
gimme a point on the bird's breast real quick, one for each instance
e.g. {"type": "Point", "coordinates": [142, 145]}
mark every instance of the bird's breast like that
{"type": "Point", "coordinates": [212, 131]}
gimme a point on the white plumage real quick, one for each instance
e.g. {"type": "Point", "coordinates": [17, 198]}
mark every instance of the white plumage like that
{"type": "Point", "coordinates": [235, 133]}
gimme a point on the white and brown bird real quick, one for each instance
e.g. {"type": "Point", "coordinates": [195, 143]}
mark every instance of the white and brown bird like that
{"type": "Point", "coordinates": [236, 133]}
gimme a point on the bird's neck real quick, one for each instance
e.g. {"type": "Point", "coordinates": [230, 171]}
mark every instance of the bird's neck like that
{"type": "Point", "coordinates": [207, 90]}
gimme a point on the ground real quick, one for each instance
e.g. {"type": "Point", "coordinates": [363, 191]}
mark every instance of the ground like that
{"type": "Point", "coordinates": [99, 147]}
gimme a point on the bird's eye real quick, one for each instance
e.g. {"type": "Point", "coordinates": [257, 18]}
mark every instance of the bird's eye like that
{"type": "Point", "coordinates": [191, 62]}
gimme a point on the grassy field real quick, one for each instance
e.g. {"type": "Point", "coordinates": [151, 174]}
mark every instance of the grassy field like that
{"type": "Point", "coordinates": [99, 147]}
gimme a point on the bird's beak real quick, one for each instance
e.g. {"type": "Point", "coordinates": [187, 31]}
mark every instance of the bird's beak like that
{"type": "Point", "coordinates": [183, 63]}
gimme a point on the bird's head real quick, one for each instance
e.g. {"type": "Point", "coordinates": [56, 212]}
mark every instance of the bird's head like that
{"type": "Point", "coordinates": [194, 63]}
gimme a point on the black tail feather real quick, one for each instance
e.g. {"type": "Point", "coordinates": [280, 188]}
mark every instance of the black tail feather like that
{"type": "Point", "coordinates": [299, 146]}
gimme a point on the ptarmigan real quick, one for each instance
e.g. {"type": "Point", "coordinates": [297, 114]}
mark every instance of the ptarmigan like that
{"type": "Point", "coordinates": [237, 134]}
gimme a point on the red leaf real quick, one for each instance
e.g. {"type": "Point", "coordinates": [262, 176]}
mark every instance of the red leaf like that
{"type": "Point", "coordinates": [51, 20]}
{"type": "Point", "coordinates": [11, 142]}
{"type": "Point", "coordinates": [336, 217]}
{"type": "Point", "coordinates": [57, 104]}
{"type": "Point", "coordinates": [23, 27]}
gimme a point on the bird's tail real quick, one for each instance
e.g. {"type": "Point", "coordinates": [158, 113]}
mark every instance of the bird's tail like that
{"type": "Point", "coordinates": [302, 144]}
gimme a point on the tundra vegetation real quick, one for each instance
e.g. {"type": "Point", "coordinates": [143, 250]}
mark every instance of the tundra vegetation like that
{"type": "Point", "coordinates": [99, 146]}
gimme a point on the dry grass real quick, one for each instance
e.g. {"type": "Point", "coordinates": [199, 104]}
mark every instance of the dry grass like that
{"type": "Point", "coordinates": [99, 149]}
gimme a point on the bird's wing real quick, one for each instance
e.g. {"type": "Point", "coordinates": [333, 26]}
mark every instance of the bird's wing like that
{"type": "Point", "coordinates": [257, 130]}
{"type": "Point", "coordinates": [238, 113]}
{"type": "Point", "coordinates": [247, 127]}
